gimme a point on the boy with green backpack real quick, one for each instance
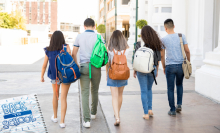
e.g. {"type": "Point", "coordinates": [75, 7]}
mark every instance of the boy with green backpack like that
{"type": "Point", "coordinates": [93, 55]}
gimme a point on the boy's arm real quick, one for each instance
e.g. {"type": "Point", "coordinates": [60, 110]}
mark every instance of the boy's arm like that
{"type": "Point", "coordinates": [186, 48]}
{"type": "Point", "coordinates": [74, 54]}
{"type": "Point", "coordinates": [163, 59]}
{"type": "Point", "coordinates": [68, 49]}
{"type": "Point", "coordinates": [187, 51]}
{"type": "Point", "coordinates": [44, 67]}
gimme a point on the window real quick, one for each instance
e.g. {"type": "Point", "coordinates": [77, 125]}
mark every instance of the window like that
{"type": "Point", "coordinates": [162, 28]}
{"type": "Point", "coordinates": [166, 9]}
{"type": "Point", "coordinates": [133, 25]}
{"type": "Point", "coordinates": [146, 2]}
{"type": "Point", "coordinates": [133, 33]}
{"type": "Point", "coordinates": [76, 29]}
{"type": "Point", "coordinates": [102, 13]}
{"type": "Point", "coordinates": [2, 6]}
{"type": "Point", "coordinates": [146, 12]}
{"type": "Point", "coordinates": [156, 28]}
{"type": "Point", "coordinates": [125, 2]}
{"type": "Point", "coordinates": [156, 9]}
{"type": "Point", "coordinates": [110, 5]}
{"type": "Point", "coordinates": [134, 16]}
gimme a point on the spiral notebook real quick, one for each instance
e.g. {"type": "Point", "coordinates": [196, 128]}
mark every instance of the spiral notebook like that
{"type": "Point", "coordinates": [21, 114]}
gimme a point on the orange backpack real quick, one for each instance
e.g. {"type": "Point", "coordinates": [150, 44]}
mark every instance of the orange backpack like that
{"type": "Point", "coordinates": [119, 69]}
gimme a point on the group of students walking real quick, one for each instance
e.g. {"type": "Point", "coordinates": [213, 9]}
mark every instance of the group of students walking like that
{"type": "Point", "coordinates": [117, 46]}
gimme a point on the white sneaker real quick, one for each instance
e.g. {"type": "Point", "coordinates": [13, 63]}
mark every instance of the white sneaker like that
{"type": "Point", "coordinates": [93, 116]}
{"type": "Point", "coordinates": [86, 124]}
{"type": "Point", "coordinates": [54, 119]}
{"type": "Point", "coordinates": [62, 125]}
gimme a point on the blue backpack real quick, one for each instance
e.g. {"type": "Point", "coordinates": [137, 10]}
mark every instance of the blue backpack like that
{"type": "Point", "coordinates": [67, 69]}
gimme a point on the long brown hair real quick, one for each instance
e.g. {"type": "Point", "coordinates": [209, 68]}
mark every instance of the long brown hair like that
{"type": "Point", "coordinates": [150, 37]}
{"type": "Point", "coordinates": [117, 41]}
{"type": "Point", "coordinates": [56, 42]}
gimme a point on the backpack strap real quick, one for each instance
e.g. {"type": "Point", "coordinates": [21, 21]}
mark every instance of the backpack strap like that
{"type": "Point", "coordinates": [57, 91]}
{"type": "Point", "coordinates": [124, 52]}
{"type": "Point", "coordinates": [154, 76]}
{"type": "Point", "coordinates": [65, 47]}
{"type": "Point", "coordinates": [182, 47]}
{"type": "Point", "coordinates": [90, 70]}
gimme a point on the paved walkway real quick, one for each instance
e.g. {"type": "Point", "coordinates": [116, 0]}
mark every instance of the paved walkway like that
{"type": "Point", "coordinates": [199, 115]}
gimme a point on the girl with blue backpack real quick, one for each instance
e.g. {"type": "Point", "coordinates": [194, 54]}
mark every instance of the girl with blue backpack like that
{"type": "Point", "coordinates": [57, 44]}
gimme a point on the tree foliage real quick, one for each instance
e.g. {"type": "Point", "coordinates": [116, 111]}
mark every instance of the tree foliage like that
{"type": "Point", "coordinates": [141, 23]}
{"type": "Point", "coordinates": [12, 21]}
{"type": "Point", "coordinates": [101, 28]}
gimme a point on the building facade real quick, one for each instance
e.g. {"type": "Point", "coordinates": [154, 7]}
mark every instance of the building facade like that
{"type": "Point", "coordinates": [142, 14]}
{"type": "Point", "coordinates": [123, 16]}
{"type": "Point", "coordinates": [41, 13]}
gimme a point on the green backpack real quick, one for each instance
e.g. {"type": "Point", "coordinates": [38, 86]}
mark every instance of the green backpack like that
{"type": "Point", "coordinates": [99, 56]}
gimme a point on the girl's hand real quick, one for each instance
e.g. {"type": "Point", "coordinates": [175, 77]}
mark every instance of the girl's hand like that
{"type": "Point", "coordinates": [135, 74]}
{"type": "Point", "coordinates": [42, 79]}
{"type": "Point", "coordinates": [157, 73]}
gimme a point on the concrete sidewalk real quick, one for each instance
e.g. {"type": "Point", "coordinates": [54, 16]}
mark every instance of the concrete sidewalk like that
{"type": "Point", "coordinates": [199, 115]}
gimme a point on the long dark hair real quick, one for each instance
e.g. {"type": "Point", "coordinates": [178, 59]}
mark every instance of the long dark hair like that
{"type": "Point", "coordinates": [56, 42]}
{"type": "Point", "coordinates": [150, 37]}
{"type": "Point", "coordinates": [117, 41]}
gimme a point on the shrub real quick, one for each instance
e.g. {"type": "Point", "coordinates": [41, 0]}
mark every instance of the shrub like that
{"type": "Point", "coordinates": [101, 28]}
{"type": "Point", "coordinates": [141, 23]}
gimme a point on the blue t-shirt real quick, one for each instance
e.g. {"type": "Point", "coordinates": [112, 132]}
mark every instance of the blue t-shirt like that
{"type": "Point", "coordinates": [52, 57]}
{"type": "Point", "coordinates": [173, 48]}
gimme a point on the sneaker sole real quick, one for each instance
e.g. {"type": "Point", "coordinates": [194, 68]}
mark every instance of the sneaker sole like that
{"type": "Point", "coordinates": [86, 127]}
{"type": "Point", "coordinates": [172, 115]}
{"type": "Point", "coordinates": [178, 110]}
{"type": "Point", "coordinates": [54, 121]}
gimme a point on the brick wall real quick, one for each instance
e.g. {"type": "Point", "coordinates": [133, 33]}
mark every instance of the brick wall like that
{"type": "Point", "coordinates": [27, 12]}
{"type": "Point", "coordinates": [46, 12]}
{"type": "Point", "coordinates": [41, 13]}
{"type": "Point", "coordinates": [34, 13]}
{"type": "Point", "coordinates": [53, 16]}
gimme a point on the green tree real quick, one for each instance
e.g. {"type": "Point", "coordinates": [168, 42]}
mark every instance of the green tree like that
{"type": "Point", "coordinates": [140, 24]}
{"type": "Point", "coordinates": [12, 21]}
{"type": "Point", "coordinates": [101, 28]}
{"type": "Point", "coordinates": [7, 21]}
{"type": "Point", "coordinates": [19, 20]}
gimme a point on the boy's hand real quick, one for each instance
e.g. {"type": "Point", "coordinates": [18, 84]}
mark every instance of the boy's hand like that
{"type": "Point", "coordinates": [135, 74]}
{"type": "Point", "coordinates": [164, 71]}
{"type": "Point", "coordinates": [42, 79]}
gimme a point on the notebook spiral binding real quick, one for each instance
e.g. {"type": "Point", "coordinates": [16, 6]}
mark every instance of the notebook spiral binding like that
{"type": "Point", "coordinates": [38, 104]}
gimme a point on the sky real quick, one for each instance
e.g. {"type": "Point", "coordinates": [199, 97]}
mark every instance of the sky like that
{"type": "Point", "coordinates": [76, 11]}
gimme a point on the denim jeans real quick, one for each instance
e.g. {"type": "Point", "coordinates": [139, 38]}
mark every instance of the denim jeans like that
{"type": "Point", "coordinates": [146, 81]}
{"type": "Point", "coordinates": [174, 72]}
